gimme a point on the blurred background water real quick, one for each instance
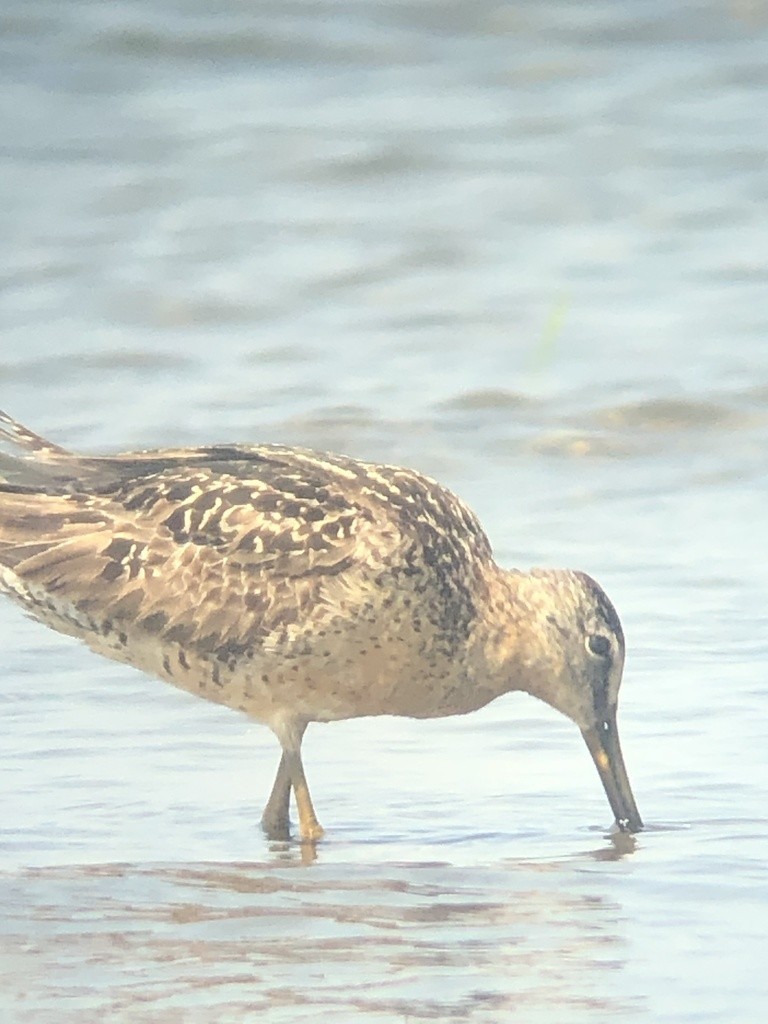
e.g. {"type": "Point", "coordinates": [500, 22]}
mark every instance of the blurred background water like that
{"type": "Point", "coordinates": [519, 246]}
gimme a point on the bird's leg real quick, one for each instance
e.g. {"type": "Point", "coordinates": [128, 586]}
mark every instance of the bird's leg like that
{"type": "Point", "coordinates": [275, 820]}
{"type": "Point", "coordinates": [309, 827]}
{"type": "Point", "coordinates": [290, 775]}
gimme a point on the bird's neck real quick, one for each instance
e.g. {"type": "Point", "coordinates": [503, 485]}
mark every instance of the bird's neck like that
{"type": "Point", "coordinates": [504, 652]}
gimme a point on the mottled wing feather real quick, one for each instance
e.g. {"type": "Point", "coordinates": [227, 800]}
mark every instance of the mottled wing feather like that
{"type": "Point", "coordinates": [282, 524]}
{"type": "Point", "coordinates": [173, 550]}
{"type": "Point", "coordinates": [225, 545]}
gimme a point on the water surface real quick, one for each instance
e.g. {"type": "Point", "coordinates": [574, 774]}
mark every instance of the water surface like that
{"type": "Point", "coordinates": [521, 247]}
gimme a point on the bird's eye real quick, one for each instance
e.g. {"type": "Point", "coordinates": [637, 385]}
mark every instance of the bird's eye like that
{"type": "Point", "coordinates": [598, 645]}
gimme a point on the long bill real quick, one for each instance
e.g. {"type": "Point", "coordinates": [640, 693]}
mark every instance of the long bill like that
{"type": "Point", "coordinates": [603, 744]}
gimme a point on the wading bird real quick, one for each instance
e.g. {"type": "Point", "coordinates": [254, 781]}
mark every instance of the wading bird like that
{"type": "Point", "coordinates": [298, 587]}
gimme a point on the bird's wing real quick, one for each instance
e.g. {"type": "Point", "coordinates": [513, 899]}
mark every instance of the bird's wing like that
{"type": "Point", "coordinates": [203, 546]}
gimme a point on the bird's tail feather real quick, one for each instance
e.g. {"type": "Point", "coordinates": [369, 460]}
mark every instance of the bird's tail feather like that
{"type": "Point", "coordinates": [28, 460]}
{"type": "Point", "coordinates": [21, 439]}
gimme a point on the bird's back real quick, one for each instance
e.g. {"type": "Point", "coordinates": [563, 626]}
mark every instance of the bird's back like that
{"type": "Point", "coordinates": [239, 571]}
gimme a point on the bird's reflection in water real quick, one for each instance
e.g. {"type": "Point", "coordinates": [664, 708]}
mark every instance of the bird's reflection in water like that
{"type": "Point", "coordinates": [620, 845]}
{"type": "Point", "coordinates": [430, 938]}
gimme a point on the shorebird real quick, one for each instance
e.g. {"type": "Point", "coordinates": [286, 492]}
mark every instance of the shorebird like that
{"type": "Point", "coordinates": [299, 586]}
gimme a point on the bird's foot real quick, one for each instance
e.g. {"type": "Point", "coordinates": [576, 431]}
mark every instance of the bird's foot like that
{"type": "Point", "coordinates": [277, 827]}
{"type": "Point", "coordinates": [311, 831]}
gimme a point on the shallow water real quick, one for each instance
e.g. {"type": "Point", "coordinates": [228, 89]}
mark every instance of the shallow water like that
{"type": "Point", "coordinates": [522, 248]}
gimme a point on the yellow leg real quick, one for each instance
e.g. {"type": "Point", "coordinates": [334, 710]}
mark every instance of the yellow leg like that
{"type": "Point", "coordinates": [290, 775]}
{"type": "Point", "coordinates": [309, 827]}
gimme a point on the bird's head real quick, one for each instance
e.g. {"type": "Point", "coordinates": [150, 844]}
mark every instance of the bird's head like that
{"type": "Point", "coordinates": [572, 658]}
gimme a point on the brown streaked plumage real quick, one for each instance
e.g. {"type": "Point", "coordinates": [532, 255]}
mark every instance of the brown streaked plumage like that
{"type": "Point", "coordinates": [299, 586]}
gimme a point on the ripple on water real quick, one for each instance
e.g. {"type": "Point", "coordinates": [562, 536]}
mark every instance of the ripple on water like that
{"type": "Point", "coordinates": [376, 942]}
{"type": "Point", "coordinates": [670, 414]}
